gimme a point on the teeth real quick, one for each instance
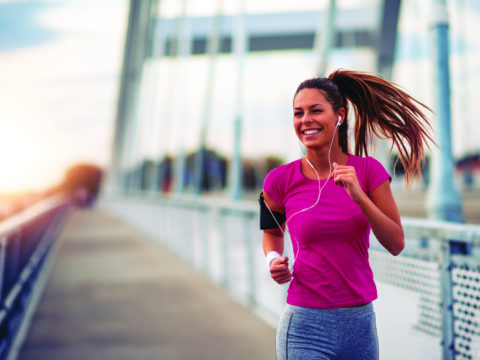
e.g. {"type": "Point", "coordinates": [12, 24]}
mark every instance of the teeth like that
{"type": "Point", "coordinates": [310, 132]}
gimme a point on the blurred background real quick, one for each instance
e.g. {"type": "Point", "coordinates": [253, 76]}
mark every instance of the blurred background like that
{"type": "Point", "coordinates": [171, 112]}
{"type": "Point", "coordinates": [204, 101]}
{"type": "Point", "coordinates": [59, 82]}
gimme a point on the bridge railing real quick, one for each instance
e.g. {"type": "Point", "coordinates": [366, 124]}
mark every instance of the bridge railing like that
{"type": "Point", "coordinates": [429, 298]}
{"type": "Point", "coordinates": [25, 243]}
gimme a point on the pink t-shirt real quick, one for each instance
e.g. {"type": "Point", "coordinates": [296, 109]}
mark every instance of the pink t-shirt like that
{"type": "Point", "coordinates": [331, 269]}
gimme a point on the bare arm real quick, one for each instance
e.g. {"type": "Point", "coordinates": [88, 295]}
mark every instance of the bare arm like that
{"type": "Point", "coordinates": [384, 218]}
{"type": "Point", "coordinates": [380, 208]}
{"type": "Point", "coordinates": [273, 241]}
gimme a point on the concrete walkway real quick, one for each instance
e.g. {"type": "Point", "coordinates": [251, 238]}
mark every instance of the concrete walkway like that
{"type": "Point", "coordinates": [113, 294]}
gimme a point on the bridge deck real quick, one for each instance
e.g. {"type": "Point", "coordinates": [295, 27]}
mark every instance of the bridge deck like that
{"type": "Point", "coordinates": [114, 294]}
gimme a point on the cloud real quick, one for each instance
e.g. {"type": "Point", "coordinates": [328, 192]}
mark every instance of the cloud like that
{"type": "Point", "coordinates": [19, 27]}
{"type": "Point", "coordinates": [58, 97]}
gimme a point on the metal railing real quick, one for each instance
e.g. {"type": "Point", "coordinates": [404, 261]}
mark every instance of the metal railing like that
{"type": "Point", "coordinates": [25, 243]}
{"type": "Point", "coordinates": [429, 298]}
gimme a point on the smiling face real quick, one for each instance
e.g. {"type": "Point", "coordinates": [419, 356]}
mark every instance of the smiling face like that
{"type": "Point", "coordinates": [314, 118]}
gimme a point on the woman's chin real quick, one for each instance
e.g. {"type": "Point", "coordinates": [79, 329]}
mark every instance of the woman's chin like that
{"type": "Point", "coordinates": [312, 144]}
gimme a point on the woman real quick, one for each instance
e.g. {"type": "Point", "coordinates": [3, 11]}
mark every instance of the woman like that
{"type": "Point", "coordinates": [330, 199]}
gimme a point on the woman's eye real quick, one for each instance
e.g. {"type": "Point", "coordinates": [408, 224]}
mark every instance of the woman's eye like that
{"type": "Point", "coordinates": [297, 114]}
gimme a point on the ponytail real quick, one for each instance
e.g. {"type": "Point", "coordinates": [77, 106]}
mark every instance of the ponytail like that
{"type": "Point", "coordinates": [384, 110]}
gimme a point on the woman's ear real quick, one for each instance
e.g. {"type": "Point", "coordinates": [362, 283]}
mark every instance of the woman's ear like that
{"type": "Point", "coordinates": [341, 116]}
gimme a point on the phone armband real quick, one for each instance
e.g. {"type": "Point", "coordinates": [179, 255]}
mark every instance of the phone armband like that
{"type": "Point", "coordinates": [269, 219]}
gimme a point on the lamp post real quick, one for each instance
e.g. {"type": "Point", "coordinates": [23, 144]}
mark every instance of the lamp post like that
{"type": "Point", "coordinates": [213, 49]}
{"type": "Point", "coordinates": [240, 44]}
{"type": "Point", "coordinates": [443, 199]}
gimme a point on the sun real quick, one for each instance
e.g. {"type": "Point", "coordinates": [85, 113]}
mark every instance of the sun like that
{"type": "Point", "coordinates": [19, 156]}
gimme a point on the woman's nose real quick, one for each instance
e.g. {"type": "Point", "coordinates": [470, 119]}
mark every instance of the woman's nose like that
{"type": "Point", "coordinates": [306, 118]}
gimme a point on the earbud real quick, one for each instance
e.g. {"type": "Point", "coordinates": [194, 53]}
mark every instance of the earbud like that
{"type": "Point", "coordinates": [339, 122]}
{"type": "Point", "coordinates": [320, 188]}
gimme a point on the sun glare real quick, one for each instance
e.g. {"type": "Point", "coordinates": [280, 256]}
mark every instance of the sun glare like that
{"type": "Point", "coordinates": [18, 158]}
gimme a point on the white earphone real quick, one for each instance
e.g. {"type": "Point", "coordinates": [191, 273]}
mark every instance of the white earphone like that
{"type": "Point", "coordinates": [309, 163]}
{"type": "Point", "coordinates": [320, 189]}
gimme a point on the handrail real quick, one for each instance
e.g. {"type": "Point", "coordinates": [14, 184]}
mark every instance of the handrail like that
{"type": "Point", "coordinates": [26, 240]}
{"type": "Point", "coordinates": [14, 222]}
{"type": "Point", "coordinates": [222, 239]}
{"type": "Point", "coordinates": [413, 227]}
{"type": "Point", "coordinates": [444, 230]}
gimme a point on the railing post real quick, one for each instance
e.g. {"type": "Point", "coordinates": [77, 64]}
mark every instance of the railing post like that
{"type": "Point", "coordinates": [448, 346]}
{"type": "Point", "coordinates": [252, 298]}
{"type": "Point", "coordinates": [205, 239]}
{"type": "Point", "coordinates": [224, 248]}
{"type": "Point", "coordinates": [3, 261]}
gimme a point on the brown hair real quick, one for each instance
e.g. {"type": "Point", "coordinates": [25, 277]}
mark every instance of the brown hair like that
{"type": "Point", "coordinates": [382, 109]}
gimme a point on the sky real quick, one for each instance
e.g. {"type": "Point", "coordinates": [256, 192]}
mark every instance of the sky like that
{"type": "Point", "coordinates": [263, 109]}
{"type": "Point", "coordinates": [60, 62]}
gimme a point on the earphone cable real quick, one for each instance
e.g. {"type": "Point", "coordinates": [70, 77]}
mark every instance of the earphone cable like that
{"type": "Point", "coordinates": [320, 189]}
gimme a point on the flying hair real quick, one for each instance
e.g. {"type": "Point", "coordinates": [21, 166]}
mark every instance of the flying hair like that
{"type": "Point", "coordinates": [382, 109]}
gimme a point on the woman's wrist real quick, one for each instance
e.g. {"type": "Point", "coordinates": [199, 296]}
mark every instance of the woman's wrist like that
{"type": "Point", "coordinates": [362, 197]}
{"type": "Point", "coordinates": [272, 255]}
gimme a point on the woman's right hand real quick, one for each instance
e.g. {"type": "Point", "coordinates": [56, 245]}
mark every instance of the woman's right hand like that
{"type": "Point", "coordinates": [279, 270]}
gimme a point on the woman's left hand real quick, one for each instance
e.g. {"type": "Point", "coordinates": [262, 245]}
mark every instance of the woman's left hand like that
{"type": "Point", "coordinates": [347, 177]}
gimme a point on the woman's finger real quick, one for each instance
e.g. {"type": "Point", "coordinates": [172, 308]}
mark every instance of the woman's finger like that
{"type": "Point", "coordinates": [278, 269]}
{"type": "Point", "coordinates": [282, 276]}
{"type": "Point", "coordinates": [283, 279]}
{"type": "Point", "coordinates": [279, 273]}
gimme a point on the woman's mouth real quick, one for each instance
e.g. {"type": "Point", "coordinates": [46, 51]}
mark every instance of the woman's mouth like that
{"type": "Point", "coordinates": [308, 132]}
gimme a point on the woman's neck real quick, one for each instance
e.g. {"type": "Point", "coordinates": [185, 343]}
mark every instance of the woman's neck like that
{"type": "Point", "coordinates": [321, 161]}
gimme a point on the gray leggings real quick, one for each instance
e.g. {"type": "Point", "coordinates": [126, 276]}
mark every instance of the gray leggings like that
{"type": "Point", "coordinates": [327, 334]}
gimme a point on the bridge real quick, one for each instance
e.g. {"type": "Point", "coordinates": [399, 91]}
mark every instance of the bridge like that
{"type": "Point", "coordinates": [143, 278]}
{"type": "Point", "coordinates": [113, 293]}
{"type": "Point", "coordinates": [168, 264]}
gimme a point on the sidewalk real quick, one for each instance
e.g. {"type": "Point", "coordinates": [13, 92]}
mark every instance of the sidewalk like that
{"type": "Point", "coordinates": [113, 294]}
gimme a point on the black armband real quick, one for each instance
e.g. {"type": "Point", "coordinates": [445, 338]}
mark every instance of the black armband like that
{"type": "Point", "coordinates": [269, 219]}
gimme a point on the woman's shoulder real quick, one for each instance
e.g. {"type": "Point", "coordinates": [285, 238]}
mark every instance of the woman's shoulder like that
{"type": "Point", "coordinates": [370, 171]}
{"type": "Point", "coordinates": [366, 162]}
{"type": "Point", "coordinates": [277, 180]}
{"type": "Point", "coordinates": [283, 173]}
{"type": "Point", "coordinates": [281, 170]}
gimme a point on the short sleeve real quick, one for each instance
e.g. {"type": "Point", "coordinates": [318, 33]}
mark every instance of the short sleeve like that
{"type": "Point", "coordinates": [272, 185]}
{"type": "Point", "coordinates": [376, 174]}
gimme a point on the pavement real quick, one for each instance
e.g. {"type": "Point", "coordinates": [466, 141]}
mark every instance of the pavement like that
{"type": "Point", "coordinates": [115, 294]}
